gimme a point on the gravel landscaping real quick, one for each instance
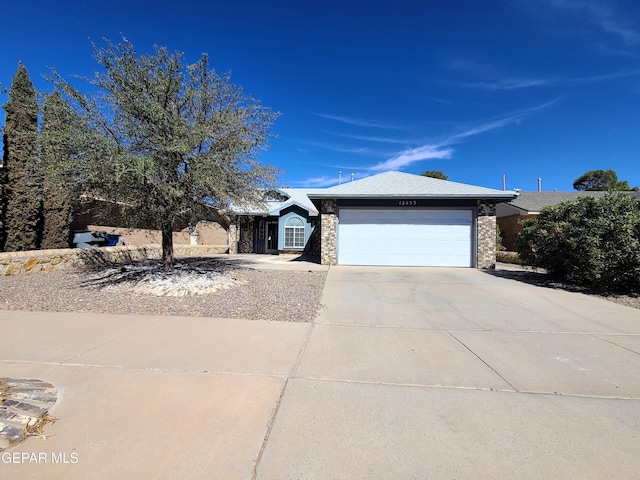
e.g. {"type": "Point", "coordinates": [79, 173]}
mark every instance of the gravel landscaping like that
{"type": "Point", "coordinates": [202, 287]}
{"type": "Point", "coordinates": [222, 289]}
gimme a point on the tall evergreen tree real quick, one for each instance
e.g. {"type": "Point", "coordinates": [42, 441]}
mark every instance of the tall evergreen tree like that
{"type": "Point", "coordinates": [56, 150]}
{"type": "Point", "coordinates": [3, 199]}
{"type": "Point", "coordinates": [23, 187]}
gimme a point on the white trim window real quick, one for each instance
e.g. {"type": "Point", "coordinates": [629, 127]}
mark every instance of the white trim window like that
{"type": "Point", "coordinates": [294, 233]}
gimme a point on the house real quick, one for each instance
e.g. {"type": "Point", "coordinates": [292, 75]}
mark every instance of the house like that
{"type": "Point", "coordinates": [529, 205]}
{"type": "Point", "coordinates": [285, 222]}
{"type": "Point", "coordinates": [392, 218]}
{"type": "Point", "coordinates": [98, 215]}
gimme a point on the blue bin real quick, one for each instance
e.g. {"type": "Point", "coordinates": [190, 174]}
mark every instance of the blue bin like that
{"type": "Point", "coordinates": [112, 239]}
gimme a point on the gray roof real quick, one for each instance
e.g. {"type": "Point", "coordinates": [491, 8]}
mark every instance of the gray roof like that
{"type": "Point", "coordinates": [297, 196]}
{"type": "Point", "coordinates": [533, 202]}
{"type": "Point", "coordinates": [294, 196]}
{"type": "Point", "coordinates": [399, 184]}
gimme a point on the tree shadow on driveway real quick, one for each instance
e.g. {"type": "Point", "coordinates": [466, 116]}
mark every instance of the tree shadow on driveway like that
{"type": "Point", "coordinates": [533, 277]}
{"type": "Point", "coordinates": [542, 279]}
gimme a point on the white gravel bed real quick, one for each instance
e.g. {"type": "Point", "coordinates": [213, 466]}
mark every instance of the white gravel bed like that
{"type": "Point", "coordinates": [205, 287]}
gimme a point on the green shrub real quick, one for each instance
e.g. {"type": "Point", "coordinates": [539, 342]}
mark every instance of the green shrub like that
{"type": "Point", "coordinates": [589, 241]}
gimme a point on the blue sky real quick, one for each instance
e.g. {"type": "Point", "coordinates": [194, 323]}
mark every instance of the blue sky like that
{"type": "Point", "coordinates": [527, 88]}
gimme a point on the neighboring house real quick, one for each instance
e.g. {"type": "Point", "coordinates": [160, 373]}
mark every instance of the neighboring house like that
{"type": "Point", "coordinates": [392, 218]}
{"type": "Point", "coordinates": [96, 215]}
{"type": "Point", "coordinates": [529, 205]}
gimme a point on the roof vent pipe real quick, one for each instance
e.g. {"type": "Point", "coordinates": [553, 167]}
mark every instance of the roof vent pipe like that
{"type": "Point", "coordinates": [352, 175]}
{"type": "Point", "coordinates": [339, 177]}
{"type": "Point", "coordinates": [504, 182]}
{"type": "Point", "coordinates": [539, 184]}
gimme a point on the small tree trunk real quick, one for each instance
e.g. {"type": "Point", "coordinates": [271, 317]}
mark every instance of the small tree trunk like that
{"type": "Point", "coordinates": [167, 246]}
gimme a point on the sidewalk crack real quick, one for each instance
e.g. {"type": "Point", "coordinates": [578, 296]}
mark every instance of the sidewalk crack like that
{"type": "Point", "coordinates": [480, 358]}
{"type": "Point", "coordinates": [276, 409]}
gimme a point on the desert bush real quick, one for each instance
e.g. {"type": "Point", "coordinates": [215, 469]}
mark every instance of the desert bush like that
{"type": "Point", "coordinates": [590, 241]}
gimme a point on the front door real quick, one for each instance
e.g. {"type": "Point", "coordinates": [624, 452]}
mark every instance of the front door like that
{"type": "Point", "coordinates": [272, 237]}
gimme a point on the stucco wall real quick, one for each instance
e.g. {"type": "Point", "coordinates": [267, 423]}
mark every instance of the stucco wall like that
{"type": "Point", "coordinates": [209, 233]}
{"type": "Point", "coordinates": [510, 229]}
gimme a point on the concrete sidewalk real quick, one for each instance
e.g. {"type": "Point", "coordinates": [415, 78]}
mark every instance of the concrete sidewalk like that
{"type": "Point", "coordinates": [405, 373]}
{"type": "Point", "coordinates": [150, 397]}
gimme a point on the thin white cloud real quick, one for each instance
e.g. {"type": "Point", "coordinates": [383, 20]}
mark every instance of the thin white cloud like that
{"type": "Point", "coordinates": [496, 123]}
{"type": "Point", "coordinates": [343, 149]}
{"type": "Point", "coordinates": [371, 138]}
{"type": "Point", "coordinates": [324, 181]}
{"type": "Point", "coordinates": [511, 84]}
{"type": "Point", "coordinates": [494, 77]}
{"type": "Point", "coordinates": [440, 100]}
{"type": "Point", "coordinates": [413, 155]}
{"type": "Point", "coordinates": [442, 150]}
{"type": "Point", "coordinates": [603, 15]}
{"type": "Point", "coordinates": [605, 77]}
{"type": "Point", "coordinates": [434, 150]}
{"type": "Point", "coordinates": [359, 122]}
{"type": "Point", "coordinates": [520, 83]}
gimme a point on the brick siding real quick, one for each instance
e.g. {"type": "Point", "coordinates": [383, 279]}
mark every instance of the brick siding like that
{"type": "Point", "coordinates": [246, 241]}
{"type": "Point", "coordinates": [233, 238]}
{"type": "Point", "coordinates": [486, 257]}
{"type": "Point", "coordinates": [328, 233]}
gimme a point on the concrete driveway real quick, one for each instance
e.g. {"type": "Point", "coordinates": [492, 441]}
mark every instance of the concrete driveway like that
{"type": "Point", "coordinates": [405, 373]}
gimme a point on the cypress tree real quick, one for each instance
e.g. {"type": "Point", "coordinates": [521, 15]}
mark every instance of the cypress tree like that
{"type": "Point", "coordinates": [3, 198]}
{"type": "Point", "coordinates": [22, 190]}
{"type": "Point", "coordinates": [56, 153]}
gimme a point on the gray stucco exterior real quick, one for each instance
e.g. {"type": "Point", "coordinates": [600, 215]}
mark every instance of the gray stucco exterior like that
{"type": "Point", "coordinates": [282, 222]}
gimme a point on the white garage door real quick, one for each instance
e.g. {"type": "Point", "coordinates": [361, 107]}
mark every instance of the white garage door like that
{"type": "Point", "coordinates": [405, 237]}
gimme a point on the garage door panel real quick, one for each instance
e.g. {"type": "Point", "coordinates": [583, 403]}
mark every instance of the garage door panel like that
{"type": "Point", "coordinates": [378, 237]}
{"type": "Point", "coordinates": [405, 237]}
{"type": "Point", "coordinates": [405, 217]}
{"type": "Point", "coordinates": [403, 260]}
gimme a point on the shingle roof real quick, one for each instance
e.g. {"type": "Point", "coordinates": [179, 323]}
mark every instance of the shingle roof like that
{"type": "Point", "coordinates": [388, 184]}
{"type": "Point", "coordinates": [399, 184]}
{"type": "Point", "coordinates": [533, 202]}
{"type": "Point", "coordinates": [295, 196]}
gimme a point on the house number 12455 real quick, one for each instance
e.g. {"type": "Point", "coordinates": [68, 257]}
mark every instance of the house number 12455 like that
{"type": "Point", "coordinates": [407, 203]}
